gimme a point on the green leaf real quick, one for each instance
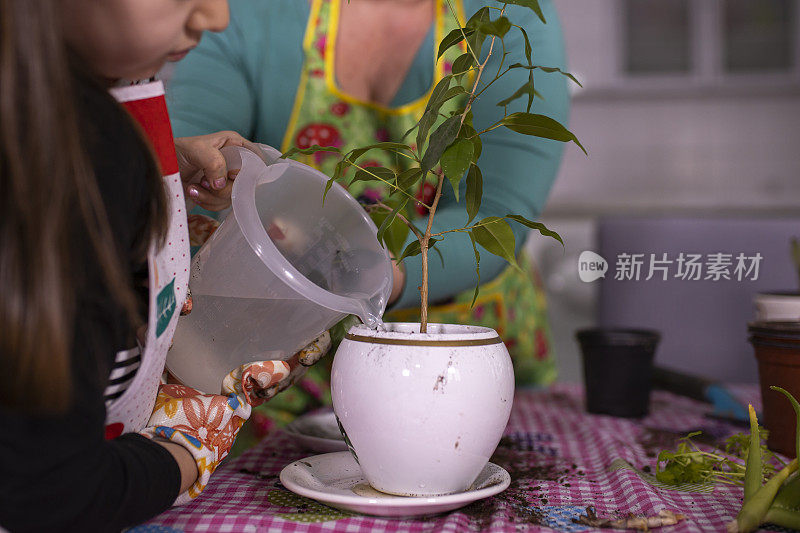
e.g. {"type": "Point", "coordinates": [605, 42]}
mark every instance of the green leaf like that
{"type": "Point", "coordinates": [408, 178]}
{"type": "Point", "coordinates": [381, 174]}
{"type": "Point", "coordinates": [411, 129]}
{"type": "Point", "coordinates": [537, 226]}
{"type": "Point", "coordinates": [427, 120]}
{"type": "Point", "coordinates": [452, 92]}
{"type": "Point", "coordinates": [496, 236]}
{"type": "Point", "coordinates": [308, 151]}
{"type": "Point", "coordinates": [754, 470]}
{"type": "Point", "coordinates": [476, 39]}
{"type": "Point", "coordinates": [440, 139]}
{"type": "Point", "coordinates": [498, 27]}
{"type": "Point", "coordinates": [539, 126]}
{"type": "Point", "coordinates": [477, 268]}
{"type": "Point", "coordinates": [469, 133]}
{"type": "Point", "coordinates": [463, 63]}
{"type": "Point", "coordinates": [532, 4]}
{"type": "Point", "coordinates": [545, 69]}
{"type": "Point", "coordinates": [414, 248]}
{"type": "Point", "coordinates": [411, 250]}
{"type": "Point", "coordinates": [567, 74]}
{"type": "Point", "coordinates": [527, 88]}
{"type": "Point", "coordinates": [437, 94]}
{"type": "Point", "coordinates": [432, 110]}
{"type": "Point", "coordinates": [328, 186]}
{"type": "Point", "coordinates": [528, 49]}
{"type": "Point", "coordinates": [389, 220]}
{"type": "Point", "coordinates": [474, 193]}
{"type": "Point", "coordinates": [395, 235]}
{"type": "Point", "coordinates": [339, 169]}
{"type": "Point", "coordinates": [455, 161]}
{"type": "Point", "coordinates": [452, 39]}
{"type": "Point", "coordinates": [354, 155]}
{"type": "Point", "coordinates": [432, 246]}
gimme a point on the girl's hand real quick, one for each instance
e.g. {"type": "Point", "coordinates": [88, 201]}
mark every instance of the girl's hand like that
{"type": "Point", "coordinates": [205, 425]}
{"type": "Point", "coordinates": [206, 179]}
{"type": "Point", "coordinates": [260, 381]}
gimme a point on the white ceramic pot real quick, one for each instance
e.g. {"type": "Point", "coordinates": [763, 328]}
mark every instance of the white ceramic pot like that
{"type": "Point", "coordinates": [777, 306]}
{"type": "Point", "coordinates": [422, 413]}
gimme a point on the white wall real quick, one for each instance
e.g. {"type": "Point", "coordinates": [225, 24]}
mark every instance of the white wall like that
{"type": "Point", "coordinates": [667, 148]}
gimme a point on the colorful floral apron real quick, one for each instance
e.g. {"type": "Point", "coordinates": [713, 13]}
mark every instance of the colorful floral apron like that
{"type": "Point", "coordinates": [168, 267]}
{"type": "Point", "coordinates": [513, 304]}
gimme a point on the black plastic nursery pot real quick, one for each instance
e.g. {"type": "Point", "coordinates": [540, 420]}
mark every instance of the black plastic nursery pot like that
{"type": "Point", "coordinates": [617, 369]}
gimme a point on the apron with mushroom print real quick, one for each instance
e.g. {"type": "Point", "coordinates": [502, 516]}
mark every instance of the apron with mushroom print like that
{"type": "Point", "coordinates": [513, 303]}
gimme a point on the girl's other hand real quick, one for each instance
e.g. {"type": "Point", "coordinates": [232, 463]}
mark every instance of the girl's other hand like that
{"type": "Point", "coordinates": [207, 181]}
{"type": "Point", "coordinates": [260, 381]}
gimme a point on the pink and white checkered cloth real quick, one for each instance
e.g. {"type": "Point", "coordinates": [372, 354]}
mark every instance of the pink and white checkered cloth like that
{"type": "Point", "coordinates": [561, 461]}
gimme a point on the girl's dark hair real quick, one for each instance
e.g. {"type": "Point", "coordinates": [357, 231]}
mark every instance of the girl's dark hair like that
{"type": "Point", "coordinates": [47, 187]}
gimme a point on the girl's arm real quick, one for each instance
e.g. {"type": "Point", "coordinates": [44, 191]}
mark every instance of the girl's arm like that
{"type": "Point", "coordinates": [58, 472]}
{"type": "Point", "coordinates": [186, 463]}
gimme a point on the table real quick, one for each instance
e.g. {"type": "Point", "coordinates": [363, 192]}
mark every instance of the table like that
{"type": "Point", "coordinates": [560, 458]}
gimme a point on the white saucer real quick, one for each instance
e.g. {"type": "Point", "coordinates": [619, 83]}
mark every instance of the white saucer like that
{"type": "Point", "coordinates": [335, 479]}
{"type": "Point", "coordinates": [317, 432]}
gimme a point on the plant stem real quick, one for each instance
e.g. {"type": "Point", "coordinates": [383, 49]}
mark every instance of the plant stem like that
{"type": "Point", "coordinates": [403, 219]}
{"type": "Point", "coordinates": [423, 322]}
{"type": "Point", "coordinates": [423, 289]}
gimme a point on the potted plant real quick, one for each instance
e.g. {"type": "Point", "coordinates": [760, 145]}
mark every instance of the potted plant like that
{"type": "Point", "coordinates": [775, 337]}
{"type": "Point", "coordinates": [781, 305]}
{"type": "Point", "coordinates": [423, 406]}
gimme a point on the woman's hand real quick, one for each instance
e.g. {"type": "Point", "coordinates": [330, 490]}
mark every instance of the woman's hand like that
{"type": "Point", "coordinates": [399, 277]}
{"type": "Point", "coordinates": [206, 179]}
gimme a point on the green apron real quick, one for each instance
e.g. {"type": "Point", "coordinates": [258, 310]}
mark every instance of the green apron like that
{"type": "Point", "coordinates": [513, 303]}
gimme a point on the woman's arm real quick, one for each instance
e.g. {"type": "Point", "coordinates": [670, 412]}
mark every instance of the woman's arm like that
{"type": "Point", "coordinates": [245, 78]}
{"type": "Point", "coordinates": [518, 170]}
{"type": "Point", "coordinates": [211, 89]}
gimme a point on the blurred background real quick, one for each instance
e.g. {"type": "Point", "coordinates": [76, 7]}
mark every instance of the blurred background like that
{"type": "Point", "coordinates": [690, 114]}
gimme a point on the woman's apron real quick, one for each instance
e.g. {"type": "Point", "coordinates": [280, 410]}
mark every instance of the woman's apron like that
{"type": "Point", "coordinates": [513, 303]}
{"type": "Point", "coordinates": [168, 267]}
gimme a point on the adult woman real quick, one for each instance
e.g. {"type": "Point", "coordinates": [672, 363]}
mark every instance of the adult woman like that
{"type": "Point", "coordinates": [291, 73]}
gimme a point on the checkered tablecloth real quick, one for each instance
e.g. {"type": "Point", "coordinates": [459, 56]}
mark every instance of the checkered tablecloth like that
{"type": "Point", "coordinates": [561, 460]}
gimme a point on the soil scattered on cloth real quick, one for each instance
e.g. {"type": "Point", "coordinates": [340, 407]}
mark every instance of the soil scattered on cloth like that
{"type": "Point", "coordinates": [522, 503]}
{"type": "Point", "coordinates": [654, 440]}
{"type": "Point", "coordinates": [512, 504]}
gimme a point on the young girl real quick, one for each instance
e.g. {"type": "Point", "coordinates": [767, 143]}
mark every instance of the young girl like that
{"type": "Point", "coordinates": [94, 269]}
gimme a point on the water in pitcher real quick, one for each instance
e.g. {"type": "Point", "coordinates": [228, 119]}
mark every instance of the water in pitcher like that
{"type": "Point", "coordinates": [224, 332]}
{"type": "Point", "coordinates": [255, 329]}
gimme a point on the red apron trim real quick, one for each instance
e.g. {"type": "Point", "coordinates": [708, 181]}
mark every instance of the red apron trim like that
{"type": "Point", "coordinates": [151, 114]}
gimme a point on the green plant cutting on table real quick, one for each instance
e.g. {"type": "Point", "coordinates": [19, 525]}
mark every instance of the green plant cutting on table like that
{"type": "Point", "coordinates": [444, 144]}
{"type": "Point", "coordinates": [771, 495]}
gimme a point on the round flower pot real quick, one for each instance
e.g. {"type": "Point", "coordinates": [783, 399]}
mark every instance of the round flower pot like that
{"type": "Point", "coordinates": [777, 306]}
{"type": "Point", "coordinates": [422, 413]}
{"type": "Point", "coordinates": [617, 369]}
{"type": "Point", "coordinates": [777, 349]}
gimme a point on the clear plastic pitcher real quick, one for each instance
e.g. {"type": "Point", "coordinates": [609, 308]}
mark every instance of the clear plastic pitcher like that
{"type": "Point", "coordinates": [282, 268]}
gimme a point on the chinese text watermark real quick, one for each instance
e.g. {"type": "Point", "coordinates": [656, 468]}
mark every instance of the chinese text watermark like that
{"type": "Point", "coordinates": [716, 266]}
